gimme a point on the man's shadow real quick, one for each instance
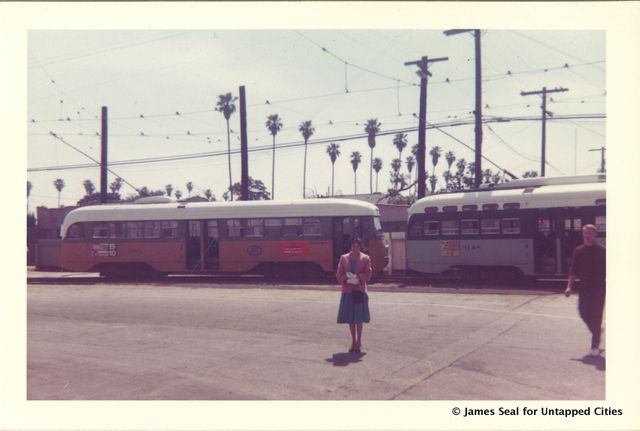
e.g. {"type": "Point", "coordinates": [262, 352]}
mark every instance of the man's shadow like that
{"type": "Point", "coordinates": [344, 359]}
{"type": "Point", "coordinates": [597, 361]}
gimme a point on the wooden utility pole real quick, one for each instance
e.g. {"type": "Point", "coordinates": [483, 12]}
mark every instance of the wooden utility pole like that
{"type": "Point", "coordinates": [423, 73]}
{"type": "Point", "coordinates": [544, 93]}
{"type": "Point", "coordinates": [104, 165]}
{"type": "Point", "coordinates": [602, 165]}
{"type": "Point", "coordinates": [244, 151]}
{"type": "Point", "coordinates": [478, 111]}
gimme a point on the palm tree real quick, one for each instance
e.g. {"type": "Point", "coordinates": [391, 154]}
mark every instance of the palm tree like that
{"type": "Point", "coordinates": [89, 187]}
{"type": "Point", "coordinates": [377, 166]}
{"type": "Point", "coordinates": [307, 129]}
{"type": "Point", "coordinates": [356, 158]}
{"type": "Point", "coordinates": [400, 141]}
{"type": "Point", "coordinates": [116, 185]}
{"type": "Point", "coordinates": [189, 187]}
{"type": "Point", "coordinates": [333, 150]}
{"type": "Point", "coordinates": [274, 124]}
{"type": "Point", "coordinates": [178, 194]}
{"type": "Point", "coordinates": [169, 189]}
{"type": "Point", "coordinates": [461, 165]}
{"type": "Point", "coordinates": [372, 128]}
{"type": "Point", "coordinates": [432, 181]}
{"type": "Point", "coordinates": [487, 174]}
{"type": "Point", "coordinates": [411, 162]}
{"type": "Point", "coordinates": [447, 179]}
{"type": "Point", "coordinates": [435, 155]}
{"type": "Point", "coordinates": [29, 187]}
{"type": "Point", "coordinates": [227, 107]}
{"type": "Point", "coordinates": [414, 150]}
{"type": "Point", "coordinates": [58, 183]}
{"type": "Point", "coordinates": [208, 194]}
{"type": "Point", "coordinates": [396, 164]}
{"type": "Point", "coordinates": [450, 157]}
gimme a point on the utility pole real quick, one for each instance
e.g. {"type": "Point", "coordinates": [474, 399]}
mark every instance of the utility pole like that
{"type": "Point", "coordinates": [423, 73]}
{"type": "Point", "coordinates": [244, 151]}
{"type": "Point", "coordinates": [104, 165]}
{"type": "Point", "coordinates": [602, 165]}
{"type": "Point", "coordinates": [478, 111]}
{"type": "Point", "coordinates": [544, 93]}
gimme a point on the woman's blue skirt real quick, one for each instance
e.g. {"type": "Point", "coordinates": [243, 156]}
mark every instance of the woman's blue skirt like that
{"type": "Point", "coordinates": [348, 312]}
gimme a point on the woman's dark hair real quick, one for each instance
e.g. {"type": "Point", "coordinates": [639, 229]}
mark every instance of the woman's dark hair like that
{"type": "Point", "coordinates": [355, 240]}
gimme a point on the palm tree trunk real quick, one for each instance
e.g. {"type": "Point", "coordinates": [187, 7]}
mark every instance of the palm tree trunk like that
{"type": "Point", "coordinates": [333, 168]}
{"type": "Point", "coordinates": [376, 182]}
{"type": "Point", "coordinates": [371, 175]}
{"type": "Point", "coordinates": [355, 184]}
{"type": "Point", "coordinates": [58, 199]}
{"type": "Point", "coordinates": [304, 174]}
{"type": "Point", "coordinates": [273, 169]}
{"type": "Point", "coordinates": [229, 159]}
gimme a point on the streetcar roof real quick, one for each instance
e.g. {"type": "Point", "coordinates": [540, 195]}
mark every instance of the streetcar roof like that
{"type": "Point", "coordinates": [207, 210]}
{"type": "Point", "coordinates": [546, 196]}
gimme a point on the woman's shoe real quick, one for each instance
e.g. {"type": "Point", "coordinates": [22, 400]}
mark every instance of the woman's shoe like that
{"type": "Point", "coordinates": [357, 348]}
{"type": "Point", "coordinates": [352, 349]}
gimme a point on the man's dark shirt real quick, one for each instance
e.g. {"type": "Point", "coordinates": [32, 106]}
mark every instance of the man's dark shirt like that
{"type": "Point", "coordinates": [589, 264]}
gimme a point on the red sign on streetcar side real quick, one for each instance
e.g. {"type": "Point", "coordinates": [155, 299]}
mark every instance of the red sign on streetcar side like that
{"type": "Point", "coordinates": [294, 248]}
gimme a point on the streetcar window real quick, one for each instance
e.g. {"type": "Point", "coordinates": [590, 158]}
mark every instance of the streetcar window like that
{"type": "Point", "coordinates": [101, 231]}
{"type": "Point", "coordinates": [449, 209]}
{"type": "Point", "coordinates": [431, 228]}
{"type": "Point", "coordinates": [311, 227]}
{"type": "Point", "coordinates": [544, 225]}
{"type": "Point", "coordinates": [234, 228]}
{"type": "Point", "coordinates": [194, 229]}
{"type": "Point", "coordinates": [511, 206]}
{"type": "Point", "coordinates": [430, 210]}
{"type": "Point", "coordinates": [469, 227]}
{"type": "Point", "coordinates": [134, 229]}
{"type": "Point", "coordinates": [489, 207]}
{"type": "Point", "coordinates": [377, 225]}
{"type": "Point", "coordinates": [75, 231]}
{"type": "Point", "coordinates": [291, 227]}
{"type": "Point", "coordinates": [469, 207]}
{"type": "Point", "coordinates": [170, 229]}
{"type": "Point", "coordinates": [601, 202]}
{"type": "Point", "coordinates": [450, 227]}
{"type": "Point", "coordinates": [152, 229]}
{"type": "Point", "coordinates": [117, 230]}
{"type": "Point", "coordinates": [511, 226]}
{"type": "Point", "coordinates": [273, 227]}
{"type": "Point", "coordinates": [212, 228]}
{"type": "Point", "coordinates": [490, 226]}
{"type": "Point", "coordinates": [254, 228]}
{"type": "Point", "coordinates": [577, 224]}
{"type": "Point", "coordinates": [415, 229]}
{"type": "Point", "coordinates": [601, 223]}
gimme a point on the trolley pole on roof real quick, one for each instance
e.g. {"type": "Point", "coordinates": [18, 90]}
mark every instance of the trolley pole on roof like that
{"type": "Point", "coordinates": [602, 165]}
{"type": "Point", "coordinates": [104, 165]}
{"type": "Point", "coordinates": [423, 73]}
{"type": "Point", "coordinates": [478, 111]}
{"type": "Point", "coordinates": [244, 151]}
{"type": "Point", "coordinates": [544, 93]}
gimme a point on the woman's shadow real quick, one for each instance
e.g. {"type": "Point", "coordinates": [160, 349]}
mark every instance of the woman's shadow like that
{"type": "Point", "coordinates": [599, 362]}
{"type": "Point", "coordinates": [344, 359]}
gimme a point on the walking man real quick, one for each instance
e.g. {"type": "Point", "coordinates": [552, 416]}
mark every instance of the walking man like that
{"type": "Point", "coordinates": [589, 265]}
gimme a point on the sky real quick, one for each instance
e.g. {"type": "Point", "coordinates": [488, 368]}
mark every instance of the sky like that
{"type": "Point", "coordinates": [161, 87]}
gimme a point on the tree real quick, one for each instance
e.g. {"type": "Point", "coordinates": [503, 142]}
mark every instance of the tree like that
{"type": "Point", "coordinates": [307, 129]}
{"type": "Point", "coordinates": [448, 177]}
{"type": "Point", "coordinates": [58, 183]}
{"type": "Point", "coordinates": [411, 162]}
{"type": "Point", "coordinates": [89, 187]}
{"type": "Point", "coordinates": [432, 182]}
{"type": "Point", "coordinates": [396, 164]}
{"type": "Point", "coordinates": [274, 124]}
{"type": "Point", "coordinates": [435, 156]}
{"type": "Point", "coordinates": [414, 150]}
{"type": "Point", "coordinates": [168, 188]}
{"type": "Point", "coordinates": [189, 187]}
{"type": "Point", "coordinates": [178, 194]}
{"type": "Point", "coordinates": [487, 175]}
{"type": "Point", "coordinates": [29, 187]}
{"type": "Point", "coordinates": [116, 185]}
{"type": "Point", "coordinates": [461, 165]}
{"type": "Point", "coordinates": [372, 128]}
{"type": "Point", "coordinates": [333, 150]}
{"type": "Point", "coordinates": [209, 194]}
{"type": "Point", "coordinates": [227, 106]}
{"type": "Point", "coordinates": [356, 158]}
{"type": "Point", "coordinates": [257, 191]}
{"type": "Point", "coordinates": [450, 158]}
{"type": "Point", "coordinates": [530, 174]}
{"type": "Point", "coordinates": [400, 142]}
{"type": "Point", "coordinates": [377, 166]}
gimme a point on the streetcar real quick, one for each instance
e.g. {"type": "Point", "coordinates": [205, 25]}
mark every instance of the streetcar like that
{"type": "Point", "coordinates": [528, 227]}
{"type": "Point", "coordinates": [274, 238]}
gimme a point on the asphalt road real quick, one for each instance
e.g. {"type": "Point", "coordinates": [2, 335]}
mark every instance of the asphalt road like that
{"type": "Point", "coordinates": [199, 342]}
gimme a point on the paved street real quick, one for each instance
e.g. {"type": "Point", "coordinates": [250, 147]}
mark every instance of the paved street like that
{"type": "Point", "coordinates": [207, 342]}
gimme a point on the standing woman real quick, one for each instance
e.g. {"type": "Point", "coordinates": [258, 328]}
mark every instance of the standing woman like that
{"type": "Point", "coordinates": [354, 271]}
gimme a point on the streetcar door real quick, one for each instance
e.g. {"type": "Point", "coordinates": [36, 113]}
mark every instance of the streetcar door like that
{"type": "Point", "coordinates": [194, 245]}
{"type": "Point", "coordinates": [544, 243]}
{"type": "Point", "coordinates": [211, 245]}
{"type": "Point", "coordinates": [572, 235]}
{"type": "Point", "coordinates": [339, 238]}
